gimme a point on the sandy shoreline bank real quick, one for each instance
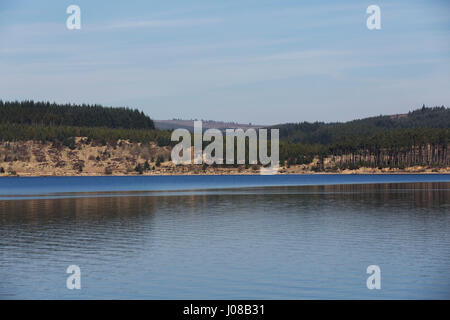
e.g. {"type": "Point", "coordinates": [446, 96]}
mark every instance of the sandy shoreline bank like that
{"type": "Point", "coordinates": [236, 172]}
{"type": "Point", "coordinates": [36, 159]}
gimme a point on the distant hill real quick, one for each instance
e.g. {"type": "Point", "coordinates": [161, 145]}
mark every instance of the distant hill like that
{"type": "Point", "coordinates": [206, 124]}
{"type": "Point", "coordinates": [326, 133]}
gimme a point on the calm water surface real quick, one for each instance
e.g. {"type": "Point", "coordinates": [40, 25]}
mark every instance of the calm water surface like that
{"type": "Point", "coordinates": [236, 237]}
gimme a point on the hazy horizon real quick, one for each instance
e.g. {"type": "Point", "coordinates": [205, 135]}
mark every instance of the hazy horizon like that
{"type": "Point", "coordinates": [262, 62]}
{"type": "Point", "coordinates": [293, 121]}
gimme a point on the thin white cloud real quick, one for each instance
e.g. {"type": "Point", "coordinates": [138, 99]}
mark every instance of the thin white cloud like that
{"type": "Point", "coordinates": [33, 30]}
{"type": "Point", "coordinates": [157, 23]}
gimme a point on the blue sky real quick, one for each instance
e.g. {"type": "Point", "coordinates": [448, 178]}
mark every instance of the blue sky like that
{"type": "Point", "coordinates": [261, 61]}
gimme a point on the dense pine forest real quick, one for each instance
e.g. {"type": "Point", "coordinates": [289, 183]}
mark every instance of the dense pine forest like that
{"type": "Point", "coordinates": [419, 138]}
{"type": "Point", "coordinates": [52, 114]}
{"type": "Point", "coordinates": [45, 121]}
{"type": "Point", "coordinates": [328, 133]}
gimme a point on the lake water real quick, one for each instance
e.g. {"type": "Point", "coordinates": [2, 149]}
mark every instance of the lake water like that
{"type": "Point", "coordinates": [226, 237]}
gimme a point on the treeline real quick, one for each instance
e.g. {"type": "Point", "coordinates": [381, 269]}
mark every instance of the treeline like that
{"type": "Point", "coordinates": [397, 148]}
{"type": "Point", "coordinates": [52, 114]}
{"type": "Point", "coordinates": [44, 121]}
{"type": "Point", "coordinates": [420, 137]}
{"type": "Point", "coordinates": [330, 133]}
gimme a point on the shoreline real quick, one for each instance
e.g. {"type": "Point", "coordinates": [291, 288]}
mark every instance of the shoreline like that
{"type": "Point", "coordinates": [352, 172]}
